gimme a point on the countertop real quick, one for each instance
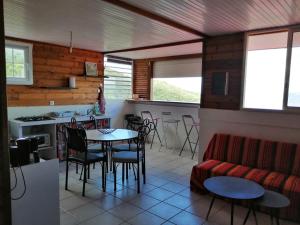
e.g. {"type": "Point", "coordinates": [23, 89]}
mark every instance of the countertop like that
{"type": "Point", "coordinates": [56, 120]}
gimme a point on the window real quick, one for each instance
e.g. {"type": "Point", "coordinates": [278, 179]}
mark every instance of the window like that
{"type": "Point", "coordinates": [294, 79]}
{"type": "Point", "coordinates": [177, 80]}
{"type": "Point", "coordinates": [18, 63]}
{"type": "Point", "coordinates": [271, 63]}
{"type": "Point", "coordinates": [118, 84]}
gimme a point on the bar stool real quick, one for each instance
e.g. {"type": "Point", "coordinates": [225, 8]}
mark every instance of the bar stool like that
{"type": "Point", "coordinates": [148, 115]}
{"type": "Point", "coordinates": [168, 119]}
{"type": "Point", "coordinates": [193, 126]}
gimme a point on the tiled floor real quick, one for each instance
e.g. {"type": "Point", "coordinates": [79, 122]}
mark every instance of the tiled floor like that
{"type": "Point", "coordinates": [165, 199]}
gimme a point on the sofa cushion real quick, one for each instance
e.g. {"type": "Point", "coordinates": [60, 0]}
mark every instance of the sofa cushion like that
{"type": "Point", "coordinates": [222, 169]}
{"type": "Point", "coordinates": [234, 149]}
{"type": "Point", "coordinates": [291, 189]}
{"type": "Point", "coordinates": [284, 157]}
{"type": "Point", "coordinates": [250, 152]}
{"type": "Point", "coordinates": [275, 181]}
{"type": "Point", "coordinates": [220, 147]}
{"type": "Point", "coordinates": [266, 155]}
{"type": "Point", "coordinates": [200, 173]}
{"type": "Point", "coordinates": [257, 175]}
{"type": "Point", "coordinates": [296, 166]}
{"type": "Point", "coordinates": [239, 171]}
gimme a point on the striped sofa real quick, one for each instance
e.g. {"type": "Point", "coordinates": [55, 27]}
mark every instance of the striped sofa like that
{"type": "Point", "coordinates": [274, 165]}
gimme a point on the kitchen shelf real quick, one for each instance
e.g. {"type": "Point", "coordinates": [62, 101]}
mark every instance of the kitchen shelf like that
{"type": "Point", "coordinates": [57, 88]}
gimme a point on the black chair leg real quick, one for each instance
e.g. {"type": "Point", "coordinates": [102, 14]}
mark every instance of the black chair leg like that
{"type": "Point", "coordinates": [126, 171]}
{"type": "Point", "coordinates": [123, 168]}
{"type": "Point", "coordinates": [115, 175]}
{"type": "Point", "coordinates": [89, 172]}
{"type": "Point", "coordinates": [144, 171]}
{"type": "Point", "coordinates": [67, 175]}
{"type": "Point", "coordinates": [138, 177]}
{"type": "Point", "coordinates": [84, 180]}
{"type": "Point", "coordinates": [94, 165]}
{"type": "Point", "coordinates": [76, 168]}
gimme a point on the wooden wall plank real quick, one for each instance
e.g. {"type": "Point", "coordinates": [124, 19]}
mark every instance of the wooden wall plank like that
{"type": "Point", "coordinates": [52, 66]}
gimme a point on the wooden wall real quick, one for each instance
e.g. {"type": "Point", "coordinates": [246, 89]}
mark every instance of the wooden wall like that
{"type": "Point", "coordinates": [52, 66]}
{"type": "Point", "coordinates": [142, 78]}
{"type": "Point", "coordinates": [223, 54]}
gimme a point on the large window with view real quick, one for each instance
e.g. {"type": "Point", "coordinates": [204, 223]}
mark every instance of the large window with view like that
{"type": "Point", "coordinates": [118, 78]}
{"type": "Point", "coordinates": [18, 58]}
{"type": "Point", "coordinates": [177, 80]}
{"type": "Point", "coordinates": [271, 63]}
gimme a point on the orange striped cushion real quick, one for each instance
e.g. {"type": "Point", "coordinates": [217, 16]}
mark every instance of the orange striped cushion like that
{"type": "Point", "coordinates": [257, 175]}
{"type": "Point", "coordinates": [296, 166]}
{"type": "Point", "coordinates": [250, 152]}
{"type": "Point", "coordinates": [239, 171]}
{"type": "Point", "coordinates": [234, 150]}
{"type": "Point", "coordinates": [222, 169]}
{"type": "Point", "coordinates": [219, 150]}
{"type": "Point", "coordinates": [275, 181]}
{"type": "Point", "coordinates": [266, 155]}
{"type": "Point", "coordinates": [284, 157]}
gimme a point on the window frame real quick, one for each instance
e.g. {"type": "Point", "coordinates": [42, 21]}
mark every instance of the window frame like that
{"type": "Point", "coordinates": [27, 47]}
{"type": "Point", "coordinates": [285, 107]}
{"type": "Point", "coordinates": [131, 79]}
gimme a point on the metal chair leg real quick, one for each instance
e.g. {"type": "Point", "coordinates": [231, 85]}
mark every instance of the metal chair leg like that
{"type": "Point", "coordinates": [187, 140]}
{"type": "Point", "coordinates": [84, 179]}
{"type": "Point", "coordinates": [138, 178]}
{"type": "Point", "coordinates": [67, 175]}
{"type": "Point", "coordinates": [123, 173]}
{"type": "Point", "coordinates": [115, 175]}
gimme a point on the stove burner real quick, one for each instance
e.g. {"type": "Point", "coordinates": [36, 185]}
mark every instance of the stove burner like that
{"type": "Point", "coordinates": [33, 118]}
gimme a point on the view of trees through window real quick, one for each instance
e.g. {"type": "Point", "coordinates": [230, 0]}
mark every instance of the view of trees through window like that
{"type": "Point", "coordinates": [185, 89]}
{"type": "Point", "coordinates": [15, 62]}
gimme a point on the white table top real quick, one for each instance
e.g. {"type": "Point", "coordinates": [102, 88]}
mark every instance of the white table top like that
{"type": "Point", "coordinates": [117, 135]}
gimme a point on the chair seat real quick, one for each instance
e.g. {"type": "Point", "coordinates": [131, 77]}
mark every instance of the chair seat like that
{"type": "Point", "coordinates": [94, 148]}
{"type": "Point", "coordinates": [91, 157]}
{"type": "Point", "coordinates": [126, 157]}
{"type": "Point", "coordinates": [124, 147]}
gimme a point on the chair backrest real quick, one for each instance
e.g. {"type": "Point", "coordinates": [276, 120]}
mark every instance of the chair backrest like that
{"type": "Point", "coordinates": [76, 139]}
{"type": "Point", "coordinates": [143, 132]}
{"type": "Point", "coordinates": [73, 123]}
{"type": "Point", "coordinates": [91, 124]}
{"type": "Point", "coordinates": [147, 115]}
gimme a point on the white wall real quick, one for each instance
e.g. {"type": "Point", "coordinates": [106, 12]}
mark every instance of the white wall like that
{"type": "Point", "coordinates": [267, 125]}
{"type": "Point", "coordinates": [177, 112]}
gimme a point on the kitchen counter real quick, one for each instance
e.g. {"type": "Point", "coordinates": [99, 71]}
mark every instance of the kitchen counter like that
{"type": "Point", "coordinates": [19, 123]}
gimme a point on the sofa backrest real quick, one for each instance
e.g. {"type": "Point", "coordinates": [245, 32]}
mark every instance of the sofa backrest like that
{"type": "Point", "coordinates": [256, 153]}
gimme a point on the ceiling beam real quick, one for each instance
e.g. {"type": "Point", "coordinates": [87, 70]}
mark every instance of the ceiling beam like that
{"type": "Point", "coordinates": [155, 46]}
{"type": "Point", "coordinates": [156, 17]}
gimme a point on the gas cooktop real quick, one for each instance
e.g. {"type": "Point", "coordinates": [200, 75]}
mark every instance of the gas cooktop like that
{"type": "Point", "coordinates": [34, 118]}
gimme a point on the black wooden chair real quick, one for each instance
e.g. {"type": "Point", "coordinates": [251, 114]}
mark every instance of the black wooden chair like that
{"type": "Point", "coordinates": [133, 157]}
{"type": "Point", "coordinates": [77, 142]}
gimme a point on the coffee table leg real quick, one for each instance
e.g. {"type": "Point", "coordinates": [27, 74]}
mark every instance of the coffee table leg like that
{"type": "Point", "coordinates": [232, 211]}
{"type": "Point", "coordinates": [247, 216]}
{"type": "Point", "coordinates": [276, 212]}
{"type": "Point", "coordinates": [254, 214]}
{"type": "Point", "coordinates": [211, 204]}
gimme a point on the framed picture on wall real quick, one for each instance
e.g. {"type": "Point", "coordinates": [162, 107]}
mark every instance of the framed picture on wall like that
{"type": "Point", "coordinates": [91, 69]}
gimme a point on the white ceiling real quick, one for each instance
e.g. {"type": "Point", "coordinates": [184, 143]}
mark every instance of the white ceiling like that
{"type": "Point", "coordinates": [215, 17]}
{"type": "Point", "coordinates": [96, 25]}
{"type": "Point", "coordinates": [185, 49]}
{"type": "Point", "coordinates": [101, 26]}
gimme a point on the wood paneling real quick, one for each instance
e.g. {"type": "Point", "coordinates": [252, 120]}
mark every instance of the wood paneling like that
{"type": "Point", "coordinates": [142, 78]}
{"type": "Point", "coordinates": [223, 54]}
{"type": "Point", "coordinates": [5, 205]}
{"type": "Point", "coordinates": [52, 66]}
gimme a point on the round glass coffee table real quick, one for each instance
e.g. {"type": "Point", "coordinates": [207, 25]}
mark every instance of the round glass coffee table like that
{"type": "Point", "coordinates": [234, 189]}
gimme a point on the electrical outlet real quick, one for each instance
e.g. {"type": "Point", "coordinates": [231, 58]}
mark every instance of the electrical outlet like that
{"type": "Point", "coordinates": [51, 103]}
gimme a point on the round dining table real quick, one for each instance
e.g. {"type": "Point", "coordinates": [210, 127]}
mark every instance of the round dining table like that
{"type": "Point", "coordinates": [106, 136]}
{"type": "Point", "coordinates": [110, 135]}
